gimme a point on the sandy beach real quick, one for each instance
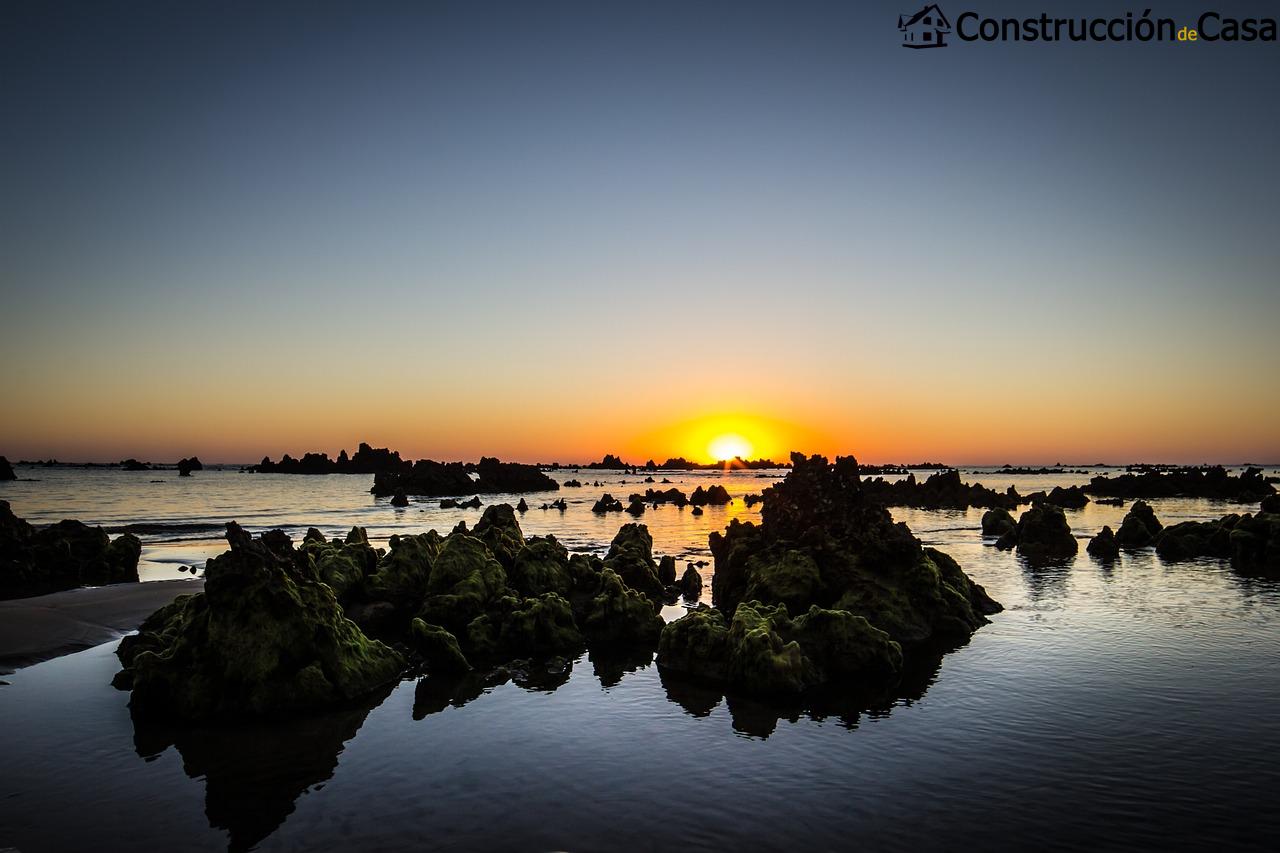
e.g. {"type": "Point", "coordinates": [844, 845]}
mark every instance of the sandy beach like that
{"type": "Point", "coordinates": [46, 626]}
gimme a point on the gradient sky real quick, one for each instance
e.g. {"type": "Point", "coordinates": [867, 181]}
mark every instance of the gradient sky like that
{"type": "Point", "coordinates": [550, 231]}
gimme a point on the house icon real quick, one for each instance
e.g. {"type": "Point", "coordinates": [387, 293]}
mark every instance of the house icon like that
{"type": "Point", "coordinates": [926, 28]}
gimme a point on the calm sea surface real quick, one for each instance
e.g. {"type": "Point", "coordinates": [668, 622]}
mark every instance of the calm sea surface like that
{"type": "Point", "coordinates": [1131, 705]}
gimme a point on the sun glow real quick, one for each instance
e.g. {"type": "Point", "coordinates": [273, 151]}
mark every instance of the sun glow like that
{"type": "Point", "coordinates": [725, 447]}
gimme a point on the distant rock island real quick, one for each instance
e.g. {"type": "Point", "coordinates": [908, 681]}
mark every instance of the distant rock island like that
{"type": "Point", "coordinates": [1156, 482]}
{"type": "Point", "coordinates": [367, 460]}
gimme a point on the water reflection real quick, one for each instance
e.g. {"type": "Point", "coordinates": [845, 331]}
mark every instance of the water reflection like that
{"type": "Point", "coordinates": [254, 774]}
{"type": "Point", "coordinates": [758, 717]}
{"type": "Point", "coordinates": [1046, 580]}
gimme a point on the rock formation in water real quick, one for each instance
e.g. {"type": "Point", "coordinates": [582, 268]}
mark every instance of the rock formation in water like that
{"type": "Point", "coordinates": [1104, 545]}
{"type": "Point", "coordinates": [279, 630]}
{"type": "Point", "coordinates": [691, 583]}
{"type": "Point", "coordinates": [400, 499]}
{"type": "Point", "coordinates": [607, 503]}
{"type": "Point", "coordinates": [714, 495]}
{"type": "Point", "coordinates": [943, 490]}
{"type": "Point", "coordinates": [61, 556]}
{"type": "Point", "coordinates": [1215, 483]}
{"type": "Point", "coordinates": [1072, 497]}
{"type": "Point", "coordinates": [655, 497]}
{"type": "Point", "coordinates": [1043, 535]}
{"type": "Point", "coordinates": [998, 522]}
{"type": "Point", "coordinates": [827, 587]}
{"type": "Point", "coordinates": [367, 460]}
{"type": "Point", "coordinates": [1139, 528]}
{"type": "Point", "coordinates": [437, 479]}
{"type": "Point", "coordinates": [267, 637]}
{"type": "Point", "coordinates": [186, 466]}
{"type": "Point", "coordinates": [134, 465]}
{"type": "Point", "coordinates": [6, 470]}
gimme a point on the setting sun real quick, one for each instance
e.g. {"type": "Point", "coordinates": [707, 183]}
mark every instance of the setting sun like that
{"type": "Point", "coordinates": [724, 447]}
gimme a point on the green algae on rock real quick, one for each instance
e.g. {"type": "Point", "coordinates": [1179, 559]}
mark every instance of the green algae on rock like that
{"type": "Point", "coordinates": [265, 638]}
{"type": "Point", "coordinates": [826, 588]}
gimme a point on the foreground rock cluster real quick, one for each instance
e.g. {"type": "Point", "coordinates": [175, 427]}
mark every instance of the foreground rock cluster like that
{"type": "Point", "coordinates": [61, 556]}
{"type": "Point", "coordinates": [281, 628]}
{"type": "Point", "coordinates": [826, 590]}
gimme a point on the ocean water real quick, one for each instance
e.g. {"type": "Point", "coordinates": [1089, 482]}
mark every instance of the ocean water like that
{"type": "Point", "coordinates": [1117, 706]}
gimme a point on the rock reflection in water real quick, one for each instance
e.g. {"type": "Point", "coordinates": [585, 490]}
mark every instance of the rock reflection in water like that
{"type": "Point", "coordinates": [758, 717]}
{"type": "Point", "coordinates": [255, 773]}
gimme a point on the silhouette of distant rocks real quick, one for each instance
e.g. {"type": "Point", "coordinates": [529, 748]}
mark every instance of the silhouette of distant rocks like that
{"type": "Point", "coordinates": [367, 460]}
{"type": "Point", "coordinates": [6, 470]}
{"type": "Point", "coordinates": [1213, 482]}
{"type": "Point", "coordinates": [943, 490]}
{"type": "Point", "coordinates": [186, 466]}
{"type": "Point", "coordinates": [435, 479]}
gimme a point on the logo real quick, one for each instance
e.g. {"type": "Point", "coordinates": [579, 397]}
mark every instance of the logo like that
{"type": "Point", "coordinates": [926, 28]}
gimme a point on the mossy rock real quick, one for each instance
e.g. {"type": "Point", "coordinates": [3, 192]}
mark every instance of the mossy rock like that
{"type": "Point", "coordinates": [266, 638]}
{"type": "Point", "coordinates": [697, 644]}
{"type": "Point", "coordinates": [667, 570]}
{"type": "Point", "coordinates": [540, 626]}
{"type": "Point", "coordinates": [790, 577]}
{"type": "Point", "coordinates": [843, 645]}
{"type": "Point", "coordinates": [404, 572]}
{"type": "Point", "coordinates": [541, 566]}
{"type": "Point", "coordinates": [465, 579]}
{"type": "Point", "coordinates": [631, 557]}
{"type": "Point", "coordinates": [343, 567]}
{"type": "Point", "coordinates": [500, 531]}
{"type": "Point", "coordinates": [61, 556]}
{"type": "Point", "coordinates": [438, 648]}
{"type": "Point", "coordinates": [760, 660]}
{"type": "Point", "coordinates": [618, 615]}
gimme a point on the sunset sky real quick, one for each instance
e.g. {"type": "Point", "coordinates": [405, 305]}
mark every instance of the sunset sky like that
{"type": "Point", "coordinates": [550, 231]}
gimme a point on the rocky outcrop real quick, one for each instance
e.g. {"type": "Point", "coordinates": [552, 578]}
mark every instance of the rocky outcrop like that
{"type": "Point", "coordinates": [437, 479]}
{"type": "Point", "coordinates": [1139, 528]}
{"type": "Point", "coordinates": [367, 460]}
{"type": "Point", "coordinates": [714, 495]}
{"type": "Point", "coordinates": [1104, 545]}
{"type": "Point", "coordinates": [631, 557]}
{"type": "Point", "coordinates": [1072, 497]}
{"type": "Point", "coordinates": [826, 586]}
{"type": "Point", "coordinates": [61, 556]}
{"type": "Point", "coordinates": [400, 499]}
{"type": "Point", "coordinates": [998, 522]}
{"type": "Point", "coordinates": [1043, 535]}
{"type": "Point", "coordinates": [607, 503]}
{"type": "Point", "coordinates": [943, 490]}
{"type": "Point", "coordinates": [134, 465]}
{"type": "Point", "coordinates": [690, 583]}
{"type": "Point", "coordinates": [266, 638]}
{"type": "Point", "coordinates": [186, 466]}
{"type": "Point", "coordinates": [6, 470]}
{"type": "Point", "coordinates": [1215, 482]}
{"type": "Point", "coordinates": [656, 497]}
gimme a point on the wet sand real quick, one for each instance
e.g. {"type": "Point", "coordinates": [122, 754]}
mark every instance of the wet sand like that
{"type": "Point", "coordinates": [46, 626]}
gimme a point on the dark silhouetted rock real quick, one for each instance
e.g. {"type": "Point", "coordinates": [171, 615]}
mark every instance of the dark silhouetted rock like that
{"type": "Point", "coordinates": [1214, 482]}
{"type": "Point", "coordinates": [6, 470]}
{"type": "Point", "coordinates": [656, 497]}
{"type": "Point", "coordinates": [400, 499]}
{"type": "Point", "coordinates": [186, 466]}
{"type": "Point", "coordinates": [61, 556]}
{"type": "Point", "coordinates": [1104, 545]}
{"type": "Point", "coordinates": [1139, 528]}
{"type": "Point", "coordinates": [1044, 535]}
{"type": "Point", "coordinates": [691, 583]}
{"type": "Point", "coordinates": [943, 490]}
{"type": "Point", "coordinates": [134, 465]}
{"type": "Point", "coordinates": [607, 503]}
{"type": "Point", "coordinates": [715, 495]}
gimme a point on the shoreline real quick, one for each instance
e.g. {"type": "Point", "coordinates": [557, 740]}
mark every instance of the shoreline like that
{"type": "Point", "coordinates": [44, 627]}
